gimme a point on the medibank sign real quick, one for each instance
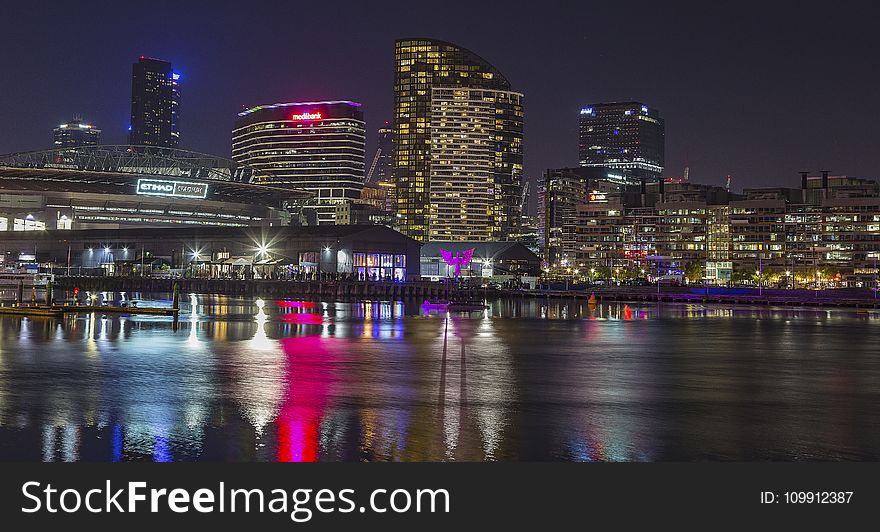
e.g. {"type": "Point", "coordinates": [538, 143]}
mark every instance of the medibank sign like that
{"type": "Point", "coordinates": [177, 189]}
{"type": "Point", "coordinates": [306, 116]}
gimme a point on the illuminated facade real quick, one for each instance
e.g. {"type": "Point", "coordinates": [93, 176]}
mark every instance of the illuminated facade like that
{"type": "Point", "coordinates": [457, 144]}
{"type": "Point", "coordinates": [626, 137]}
{"type": "Point", "coordinates": [76, 133]}
{"type": "Point", "coordinates": [113, 187]}
{"type": "Point", "coordinates": [155, 104]}
{"type": "Point", "coordinates": [370, 253]}
{"type": "Point", "coordinates": [488, 259]}
{"type": "Point", "coordinates": [313, 146]}
{"type": "Point", "coordinates": [561, 190]}
{"type": "Point", "coordinates": [830, 227]}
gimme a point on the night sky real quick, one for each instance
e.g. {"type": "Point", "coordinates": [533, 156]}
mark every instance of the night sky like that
{"type": "Point", "coordinates": [755, 91]}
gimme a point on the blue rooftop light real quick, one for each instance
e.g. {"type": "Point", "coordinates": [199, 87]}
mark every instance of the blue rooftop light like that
{"type": "Point", "coordinates": [587, 111]}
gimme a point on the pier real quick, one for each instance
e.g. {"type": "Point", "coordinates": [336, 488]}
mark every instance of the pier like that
{"type": "Point", "coordinates": [265, 288]}
{"type": "Point", "coordinates": [361, 290]}
{"type": "Point", "coordinates": [803, 298]}
{"type": "Point", "coordinates": [58, 311]}
{"type": "Point", "coordinates": [35, 311]}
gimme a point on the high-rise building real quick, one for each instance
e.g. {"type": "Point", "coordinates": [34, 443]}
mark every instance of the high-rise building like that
{"type": "Point", "coordinates": [458, 130]}
{"type": "Point", "coordinates": [380, 168]}
{"type": "Point", "coordinates": [155, 101]}
{"type": "Point", "coordinates": [560, 192]}
{"type": "Point", "coordinates": [625, 138]}
{"type": "Point", "coordinates": [314, 146]}
{"type": "Point", "coordinates": [383, 162]}
{"type": "Point", "coordinates": [76, 133]}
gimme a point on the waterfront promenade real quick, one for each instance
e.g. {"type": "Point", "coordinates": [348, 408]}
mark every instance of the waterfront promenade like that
{"type": "Point", "coordinates": [354, 289]}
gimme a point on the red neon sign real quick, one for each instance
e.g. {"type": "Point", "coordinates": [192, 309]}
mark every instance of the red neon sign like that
{"type": "Point", "coordinates": [306, 116]}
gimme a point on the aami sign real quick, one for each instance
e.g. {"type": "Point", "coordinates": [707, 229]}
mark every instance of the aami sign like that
{"type": "Point", "coordinates": [178, 189]}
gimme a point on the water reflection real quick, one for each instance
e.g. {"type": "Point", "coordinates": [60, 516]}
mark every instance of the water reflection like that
{"type": "Point", "coordinates": [529, 379]}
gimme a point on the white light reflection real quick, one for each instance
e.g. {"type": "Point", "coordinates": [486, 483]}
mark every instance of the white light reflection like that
{"type": "Point", "coordinates": [193, 339]}
{"type": "Point", "coordinates": [260, 375]}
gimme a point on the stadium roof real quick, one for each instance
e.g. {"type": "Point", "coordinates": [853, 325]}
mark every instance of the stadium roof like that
{"type": "Point", "coordinates": [116, 170]}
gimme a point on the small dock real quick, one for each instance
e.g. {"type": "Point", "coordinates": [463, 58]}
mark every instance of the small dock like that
{"type": "Point", "coordinates": [57, 311]}
{"type": "Point", "coordinates": [113, 309]}
{"type": "Point", "coordinates": [38, 311]}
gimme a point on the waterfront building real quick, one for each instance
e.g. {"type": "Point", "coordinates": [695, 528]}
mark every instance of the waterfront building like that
{"type": "Point", "coordinates": [458, 130]}
{"type": "Point", "coordinates": [829, 227]}
{"type": "Point", "coordinates": [370, 253]}
{"type": "Point", "coordinates": [155, 104]}
{"type": "Point", "coordinates": [76, 133]}
{"type": "Point", "coordinates": [560, 191]}
{"type": "Point", "coordinates": [501, 261]}
{"type": "Point", "coordinates": [312, 146]}
{"type": "Point", "coordinates": [718, 233]}
{"type": "Point", "coordinates": [625, 138]}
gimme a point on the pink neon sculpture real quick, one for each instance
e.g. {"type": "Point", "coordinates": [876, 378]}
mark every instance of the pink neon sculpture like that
{"type": "Point", "coordinates": [456, 259]}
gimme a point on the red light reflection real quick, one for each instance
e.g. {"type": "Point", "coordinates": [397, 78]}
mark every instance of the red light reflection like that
{"type": "Point", "coordinates": [309, 378]}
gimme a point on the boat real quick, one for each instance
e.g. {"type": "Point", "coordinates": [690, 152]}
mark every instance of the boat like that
{"type": "Point", "coordinates": [466, 306]}
{"type": "Point", "coordinates": [440, 306]}
{"type": "Point", "coordinates": [453, 306]}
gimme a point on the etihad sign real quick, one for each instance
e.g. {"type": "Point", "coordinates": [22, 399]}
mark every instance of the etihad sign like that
{"type": "Point", "coordinates": [177, 189]}
{"type": "Point", "coordinates": [306, 116]}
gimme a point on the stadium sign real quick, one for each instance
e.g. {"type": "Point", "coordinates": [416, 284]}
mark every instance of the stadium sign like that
{"type": "Point", "coordinates": [176, 189]}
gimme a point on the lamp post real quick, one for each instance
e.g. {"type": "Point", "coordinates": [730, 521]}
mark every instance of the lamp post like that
{"type": "Point", "coordinates": [760, 276]}
{"type": "Point", "coordinates": [611, 272]}
{"type": "Point", "coordinates": [874, 256]}
{"type": "Point", "coordinates": [706, 277]}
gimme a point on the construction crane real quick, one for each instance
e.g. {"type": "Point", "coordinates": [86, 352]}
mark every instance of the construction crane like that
{"type": "Point", "coordinates": [375, 163]}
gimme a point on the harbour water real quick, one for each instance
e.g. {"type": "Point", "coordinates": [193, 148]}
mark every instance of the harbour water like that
{"type": "Point", "coordinates": [527, 380]}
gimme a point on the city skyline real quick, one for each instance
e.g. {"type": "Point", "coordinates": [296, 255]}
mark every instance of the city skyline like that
{"type": "Point", "coordinates": [730, 109]}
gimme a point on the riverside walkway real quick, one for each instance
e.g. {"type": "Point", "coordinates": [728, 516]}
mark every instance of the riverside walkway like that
{"type": "Point", "coordinates": [354, 289]}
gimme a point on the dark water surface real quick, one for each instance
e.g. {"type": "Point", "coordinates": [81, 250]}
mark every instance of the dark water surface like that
{"type": "Point", "coordinates": [525, 380]}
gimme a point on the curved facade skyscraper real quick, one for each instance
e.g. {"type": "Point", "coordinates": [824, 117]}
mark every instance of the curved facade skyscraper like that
{"type": "Point", "coordinates": [314, 146]}
{"type": "Point", "coordinates": [458, 131]}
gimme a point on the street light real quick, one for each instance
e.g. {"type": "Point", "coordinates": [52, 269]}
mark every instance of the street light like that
{"type": "Point", "coordinates": [874, 256]}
